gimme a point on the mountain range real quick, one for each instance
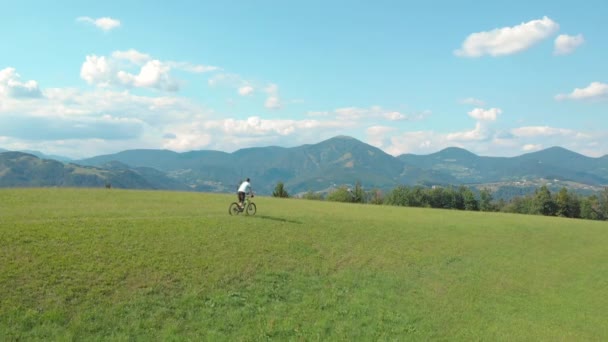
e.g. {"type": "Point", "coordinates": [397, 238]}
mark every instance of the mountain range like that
{"type": "Point", "coordinates": [318, 167]}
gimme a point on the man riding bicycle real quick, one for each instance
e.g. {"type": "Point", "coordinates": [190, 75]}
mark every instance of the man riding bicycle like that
{"type": "Point", "coordinates": [243, 189]}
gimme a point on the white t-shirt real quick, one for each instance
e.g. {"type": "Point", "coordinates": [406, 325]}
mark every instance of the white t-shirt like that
{"type": "Point", "coordinates": [245, 187]}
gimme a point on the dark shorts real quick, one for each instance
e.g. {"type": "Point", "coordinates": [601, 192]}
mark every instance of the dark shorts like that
{"type": "Point", "coordinates": [241, 196]}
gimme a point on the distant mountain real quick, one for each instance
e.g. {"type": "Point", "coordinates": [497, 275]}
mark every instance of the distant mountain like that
{"type": "Point", "coordinates": [41, 155]}
{"type": "Point", "coordinates": [319, 167]}
{"type": "Point", "coordinates": [48, 156]}
{"type": "Point", "coordinates": [552, 163]}
{"type": "Point", "coordinates": [18, 169]}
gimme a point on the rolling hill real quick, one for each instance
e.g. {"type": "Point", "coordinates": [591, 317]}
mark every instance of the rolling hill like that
{"type": "Point", "coordinates": [18, 169]}
{"type": "Point", "coordinates": [319, 167]}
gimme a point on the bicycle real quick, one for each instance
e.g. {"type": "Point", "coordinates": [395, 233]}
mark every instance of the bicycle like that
{"type": "Point", "coordinates": [248, 207]}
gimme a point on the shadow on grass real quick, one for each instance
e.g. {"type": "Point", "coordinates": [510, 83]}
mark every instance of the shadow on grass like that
{"type": "Point", "coordinates": [279, 219]}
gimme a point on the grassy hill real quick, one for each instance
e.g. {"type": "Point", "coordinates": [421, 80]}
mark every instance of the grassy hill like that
{"type": "Point", "coordinates": [19, 169]}
{"type": "Point", "coordinates": [146, 265]}
{"type": "Point", "coordinates": [328, 164]}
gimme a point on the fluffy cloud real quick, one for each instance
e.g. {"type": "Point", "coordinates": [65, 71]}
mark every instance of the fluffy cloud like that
{"type": "Point", "coordinates": [395, 116]}
{"type": "Point", "coordinates": [485, 115]}
{"type": "Point", "coordinates": [154, 74]}
{"type": "Point", "coordinates": [479, 133]}
{"type": "Point", "coordinates": [595, 90]}
{"type": "Point", "coordinates": [272, 101]}
{"type": "Point", "coordinates": [507, 40]}
{"type": "Point", "coordinates": [230, 133]}
{"type": "Point", "coordinates": [483, 140]}
{"type": "Point", "coordinates": [132, 56]}
{"type": "Point", "coordinates": [11, 85]}
{"type": "Point", "coordinates": [104, 127]}
{"type": "Point", "coordinates": [371, 113]}
{"type": "Point", "coordinates": [532, 147]}
{"type": "Point", "coordinates": [535, 131]}
{"type": "Point", "coordinates": [379, 135]}
{"type": "Point", "coordinates": [97, 70]}
{"type": "Point", "coordinates": [224, 79]}
{"type": "Point", "coordinates": [149, 73]}
{"type": "Point", "coordinates": [194, 68]}
{"type": "Point", "coordinates": [473, 101]}
{"type": "Point", "coordinates": [415, 142]}
{"type": "Point", "coordinates": [245, 90]}
{"type": "Point", "coordinates": [255, 125]}
{"type": "Point", "coordinates": [565, 44]}
{"type": "Point", "coordinates": [73, 114]}
{"type": "Point", "coordinates": [105, 23]}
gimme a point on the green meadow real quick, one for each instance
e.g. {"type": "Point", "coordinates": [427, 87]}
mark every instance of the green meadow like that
{"type": "Point", "coordinates": [97, 264]}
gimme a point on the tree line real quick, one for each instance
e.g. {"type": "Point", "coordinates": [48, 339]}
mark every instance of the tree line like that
{"type": "Point", "coordinates": [542, 202]}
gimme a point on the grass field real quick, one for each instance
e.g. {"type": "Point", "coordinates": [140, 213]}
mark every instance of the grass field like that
{"type": "Point", "coordinates": [151, 265]}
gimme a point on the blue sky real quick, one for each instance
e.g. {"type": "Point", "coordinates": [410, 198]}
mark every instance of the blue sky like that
{"type": "Point", "coordinates": [500, 79]}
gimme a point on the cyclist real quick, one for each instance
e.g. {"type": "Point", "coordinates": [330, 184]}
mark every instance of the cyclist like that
{"type": "Point", "coordinates": [243, 189]}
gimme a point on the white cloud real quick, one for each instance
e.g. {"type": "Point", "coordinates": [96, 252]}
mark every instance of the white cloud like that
{"type": "Point", "coordinates": [84, 123]}
{"type": "Point", "coordinates": [395, 116]}
{"type": "Point", "coordinates": [507, 40]}
{"type": "Point", "coordinates": [371, 113]}
{"type": "Point", "coordinates": [532, 147]}
{"type": "Point", "coordinates": [565, 44]}
{"type": "Point", "coordinates": [12, 86]}
{"type": "Point", "coordinates": [473, 101]}
{"type": "Point", "coordinates": [379, 135]}
{"type": "Point", "coordinates": [104, 23]}
{"type": "Point", "coordinates": [317, 113]}
{"type": "Point", "coordinates": [415, 142]}
{"type": "Point", "coordinates": [479, 133]}
{"type": "Point", "coordinates": [245, 90]}
{"type": "Point", "coordinates": [154, 74]}
{"type": "Point", "coordinates": [194, 68]}
{"type": "Point", "coordinates": [595, 90]}
{"type": "Point", "coordinates": [352, 113]}
{"type": "Point", "coordinates": [97, 70]}
{"type": "Point", "coordinates": [230, 134]}
{"type": "Point", "coordinates": [132, 56]}
{"type": "Point", "coordinates": [535, 131]}
{"type": "Point", "coordinates": [231, 80]}
{"type": "Point", "coordinates": [272, 101]}
{"type": "Point", "coordinates": [485, 115]}
{"type": "Point", "coordinates": [132, 68]}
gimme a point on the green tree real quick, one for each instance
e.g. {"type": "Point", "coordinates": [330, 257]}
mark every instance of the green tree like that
{"type": "Point", "coordinates": [568, 204]}
{"type": "Point", "coordinates": [419, 197]}
{"type": "Point", "coordinates": [590, 208]}
{"type": "Point", "coordinates": [603, 204]}
{"type": "Point", "coordinates": [520, 205]}
{"type": "Point", "coordinates": [341, 194]}
{"type": "Point", "coordinates": [544, 203]}
{"type": "Point", "coordinates": [574, 206]}
{"type": "Point", "coordinates": [440, 198]}
{"type": "Point", "coordinates": [398, 196]}
{"type": "Point", "coordinates": [279, 191]}
{"type": "Point", "coordinates": [470, 202]}
{"type": "Point", "coordinates": [375, 196]}
{"type": "Point", "coordinates": [358, 193]}
{"type": "Point", "coordinates": [311, 195]}
{"type": "Point", "coordinates": [561, 200]}
{"type": "Point", "coordinates": [485, 203]}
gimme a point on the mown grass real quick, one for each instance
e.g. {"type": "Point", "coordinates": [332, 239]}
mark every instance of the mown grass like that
{"type": "Point", "coordinates": [149, 265]}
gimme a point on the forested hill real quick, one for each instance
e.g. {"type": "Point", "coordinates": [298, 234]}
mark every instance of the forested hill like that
{"type": "Point", "coordinates": [318, 167]}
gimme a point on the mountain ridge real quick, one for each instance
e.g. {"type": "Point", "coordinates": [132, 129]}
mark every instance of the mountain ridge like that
{"type": "Point", "coordinates": [346, 160]}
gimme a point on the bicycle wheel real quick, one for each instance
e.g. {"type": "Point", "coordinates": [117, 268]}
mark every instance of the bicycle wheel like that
{"type": "Point", "coordinates": [234, 209]}
{"type": "Point", "coordinates": [251, 209]}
